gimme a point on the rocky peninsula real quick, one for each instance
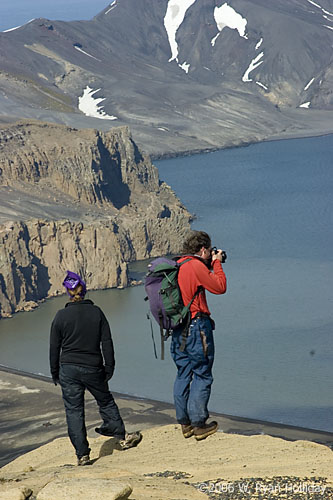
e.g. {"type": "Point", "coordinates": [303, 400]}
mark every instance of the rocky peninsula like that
{"type": "Point", "coordinates": [83, 200]}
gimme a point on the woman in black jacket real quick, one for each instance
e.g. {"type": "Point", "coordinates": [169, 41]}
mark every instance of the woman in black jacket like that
{"type": "Point", "coordinates": [82, 357]}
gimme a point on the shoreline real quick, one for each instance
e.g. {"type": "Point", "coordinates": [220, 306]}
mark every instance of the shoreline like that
{"type": "Point", "coordinates": [184, 154]}
{"type": "Point", "coordinates": [38, 394]}
{"type": "Point", "coordinates": [236, 418]}
{"type": "Point", "coordinates": [273, 138]}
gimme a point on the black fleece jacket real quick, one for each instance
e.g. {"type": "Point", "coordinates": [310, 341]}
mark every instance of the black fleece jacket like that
{"type": "Point", "coordinates": [80, 333]}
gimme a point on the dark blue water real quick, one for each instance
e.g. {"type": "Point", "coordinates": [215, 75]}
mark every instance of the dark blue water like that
{"type": "Point", "coordinates": [270, 207]}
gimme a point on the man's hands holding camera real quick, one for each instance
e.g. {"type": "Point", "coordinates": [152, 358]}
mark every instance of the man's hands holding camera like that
{"type": "Point", "coordinates": [218, 254]}
{"type": "Point", "coordinates": [210, 254]}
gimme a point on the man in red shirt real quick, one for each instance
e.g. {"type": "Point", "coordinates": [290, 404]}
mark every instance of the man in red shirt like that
{"type": "Point", "coordinates": [193, 353]}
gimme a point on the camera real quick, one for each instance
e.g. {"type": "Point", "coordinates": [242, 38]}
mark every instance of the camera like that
{"type": "Point", "coordinates": [224, 255]}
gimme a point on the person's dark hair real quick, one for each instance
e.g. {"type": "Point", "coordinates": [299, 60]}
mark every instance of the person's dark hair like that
{"type": "Point", "coordinates": [195, 241]}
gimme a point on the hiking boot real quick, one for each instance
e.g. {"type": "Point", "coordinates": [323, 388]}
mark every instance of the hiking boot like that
{"type": "Point", "coordinates": [205, 430]}
{"type": "Point", "coordinates": [187, 430]}
{"type": "Point", "coordinates": [104, 431]}
{"type": "Point", "coordinates": [85, 460]}
{"type": "Point", "coordinates": [131, 440]}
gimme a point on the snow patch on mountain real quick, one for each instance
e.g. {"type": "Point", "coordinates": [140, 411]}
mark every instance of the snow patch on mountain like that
{"type": "Point", "coordinates": [112, 6]}
{"type": "Point", "coordinates": [327, 12]}
{"type": "Point", "coordinates": [213, 40]}
{"type": "Point", "coordinates": [227, 16]}
{"type": "Point", "coordinates": [185, 66]}
{"type": "Point", "coordinates": [173, 18]}
{"type": "Point", "coordinates": [253, 65]}
{"type": "Point", "coordinates": [17, 27]}
{"type": "Point", "coordinates": [305, 105]}
{"type": "Point", "coordinates": [86, 53]}
{"type": "Point", "coordinates": [12, 29]}
{"type": "Point", "coordinates": [314, 3]}
{"type": "Point", "coordinates": [90, 105]}
{"type": "Point", "coordinates": [259, 43]}
{"type": "Point", "coordinates": [262, 85]}
{"type": "Point", "coordinates": [308, 84]}
{"type": "Point", "coordinates": [323, 10]}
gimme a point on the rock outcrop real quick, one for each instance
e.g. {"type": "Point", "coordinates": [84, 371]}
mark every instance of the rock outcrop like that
{"type": "Point", "coordinates": [82, 200]}
{"type": "Point", "coordinates": [86, 165]}
{"type": "Point", "coordinates": [37, 456]}
{"type": "Point", "coordinates": [165, 466]}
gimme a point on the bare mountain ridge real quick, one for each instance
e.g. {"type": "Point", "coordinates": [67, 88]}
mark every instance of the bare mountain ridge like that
{"type": "Point", "coordinates": [212, 75]}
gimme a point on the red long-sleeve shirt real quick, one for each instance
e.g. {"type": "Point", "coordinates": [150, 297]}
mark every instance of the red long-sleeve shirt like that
{"type": "Point", "coordinates": [195, 273]}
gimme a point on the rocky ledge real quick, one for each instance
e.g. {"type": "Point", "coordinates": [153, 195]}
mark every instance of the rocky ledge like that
{"type": "Point", "coordinates": [83, 200]}
{"type": "Point", "coordinates": [166, 466]}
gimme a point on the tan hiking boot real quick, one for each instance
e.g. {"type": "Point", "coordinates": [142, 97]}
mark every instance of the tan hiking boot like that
{"type": "Point", "coordinates": [205, 430]}
{"type": "Point", "coordinates": [85, 460]}
{"type": "Point", "coordinates": [131, 440]}
{"type": "Point", "coordinates": [187, 430]}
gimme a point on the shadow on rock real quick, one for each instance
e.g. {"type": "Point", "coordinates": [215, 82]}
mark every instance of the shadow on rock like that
{"type": "Point", "coordinates": [108, 447]}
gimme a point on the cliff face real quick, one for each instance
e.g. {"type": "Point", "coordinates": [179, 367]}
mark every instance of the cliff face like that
{"type": "Point", "coordinates": [79, 200]}
{"type": "Point", "coordinates": [87, 165]}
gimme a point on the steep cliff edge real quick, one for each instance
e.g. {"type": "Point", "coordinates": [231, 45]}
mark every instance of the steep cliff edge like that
{"type": "Point", "coordinates": [83, 200]}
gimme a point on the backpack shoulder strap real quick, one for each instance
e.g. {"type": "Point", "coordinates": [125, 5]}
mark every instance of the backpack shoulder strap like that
{"type": "Point", "coordinates": [188, 259]}
{"type": "Point", "coordinates": [200, 288]}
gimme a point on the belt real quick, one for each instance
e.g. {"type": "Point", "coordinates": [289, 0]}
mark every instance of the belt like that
{"type": "Point", "coordinates": [205, 315]}
{"type": "Point", "coordinates": [201, 315]}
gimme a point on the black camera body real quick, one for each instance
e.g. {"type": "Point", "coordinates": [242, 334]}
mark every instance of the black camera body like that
{"type": "Point", "coordinates": [224, 255]}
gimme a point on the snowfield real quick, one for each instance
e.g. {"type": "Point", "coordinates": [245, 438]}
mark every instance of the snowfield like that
{"type": "Point", "coordinates": [90, 106]}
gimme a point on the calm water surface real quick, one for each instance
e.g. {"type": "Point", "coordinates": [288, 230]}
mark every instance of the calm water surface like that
{"type": "Point", "coordinates": [270, 207]}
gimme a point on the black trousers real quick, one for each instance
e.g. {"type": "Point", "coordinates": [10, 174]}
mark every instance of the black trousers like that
{"type": "Point", "coordinates": [74, 380]}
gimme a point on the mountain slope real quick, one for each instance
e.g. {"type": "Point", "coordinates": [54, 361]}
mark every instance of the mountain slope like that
{"type": "Point", "coordinates": [183, 74]}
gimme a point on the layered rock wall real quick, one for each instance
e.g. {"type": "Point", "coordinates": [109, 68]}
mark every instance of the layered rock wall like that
{"type": "Point", "coordinates": [114, 210]}
{"type": "Point", "coordinates": [87, 165]}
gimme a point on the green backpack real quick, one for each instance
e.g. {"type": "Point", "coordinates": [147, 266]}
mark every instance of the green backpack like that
{"type": "Point", "coordinates": [165, 300]}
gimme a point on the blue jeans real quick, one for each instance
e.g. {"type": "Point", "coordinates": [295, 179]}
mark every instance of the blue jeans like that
{"type": "Point", "coordinates": [194, 376]}
{"type": "Point", "coordinates": [74, 380]}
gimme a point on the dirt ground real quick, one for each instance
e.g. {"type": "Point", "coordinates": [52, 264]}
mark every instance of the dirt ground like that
{"type": "Point", "coordinates": [245, 459]}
